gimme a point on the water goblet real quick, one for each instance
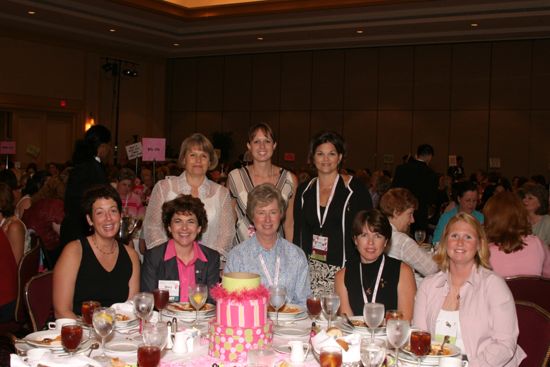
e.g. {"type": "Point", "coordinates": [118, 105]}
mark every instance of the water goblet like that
{"type": "Point", "coordinates": [373, 352]}
{"type": "Point", "coordinates": [161, 297]}
{"type": "Point", "coordinates": [330, 303]}
{"type": "Point", "coordinates": [143, 306]}
{"type": "Point", "coordinates": [397, 332]}
{"type": "Point", "coordinates": [313, 307]}
{"type": "Point", "coordinates": [155, 333]}
{"type": "Point", "coordinates": [104, 322]}
{"type": "Point", "coordinates": [277, 298]}
{"type": "Point", "coordinates": [420, 236]}
{"type": "Point", "coordinates": [421, 344]}
{"type": "Point", "coordinates": [71, 336]}
{"type": "Point", "coordinates": [373, 313]}
{"type": "Point", "coordinates": [197, 297]}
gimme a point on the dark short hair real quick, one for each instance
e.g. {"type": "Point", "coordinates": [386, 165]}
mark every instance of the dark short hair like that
{"type": "Point", "coordinates": [538, 191]}
{"type": "Point", "coordinates": [126, 174]}
{"type": "Point", "coordinates": [8, 177]}
{"type": "Point", "coordinates": [202, 142]}
{"type": "Point", "coordinates": [424, 150]}
{"type": "Point", "coordinates": [462, 187]}
{"type": "Point", "coordinates": [375, 220]}
{"type": "Point", "coordinates": [7, 201]}
{"type": "Point", "coordinates": [97, 135]}
{"type": "Point", "coordinates": [185, 204]}
{"type": "Point", "coordinates": [327, 137]}
{"type": "Point", "coordinates": [264, 127]}
{"type": "Point", "coordinates": [264, 194]}
{"type": "Point", "coordinates": [99, 192]}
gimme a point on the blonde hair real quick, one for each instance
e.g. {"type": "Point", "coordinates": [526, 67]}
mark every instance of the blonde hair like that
{"type": "Point", "coordinates": [200, 141]}
{"type": "Point", "coordinates": [482, 255]}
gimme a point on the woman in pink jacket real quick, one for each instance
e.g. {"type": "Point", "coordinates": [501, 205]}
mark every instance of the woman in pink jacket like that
{"type": "Point", "coordinates": [468, 301]}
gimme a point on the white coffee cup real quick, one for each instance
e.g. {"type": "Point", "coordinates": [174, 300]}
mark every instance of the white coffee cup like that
{"type": "Point", "coordinates": [452, 362]}
{"type": "Point", "coordinates": [36, 354]}
{"type": "Point", "coordinates": [58, 324]}
{"type": "Point", "coordinates": [297, 352]}
{"type": "Point", "coordinates": [180, 342]}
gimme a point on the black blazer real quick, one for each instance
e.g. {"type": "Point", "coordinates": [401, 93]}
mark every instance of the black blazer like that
{"type": "Point", "coordinates": [154, 268]}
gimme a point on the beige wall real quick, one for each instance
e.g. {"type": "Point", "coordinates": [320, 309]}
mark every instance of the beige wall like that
{"type": "Point", "coordinates": [479, 100]}
{"type": "Point", "coordinates": [36, 76]}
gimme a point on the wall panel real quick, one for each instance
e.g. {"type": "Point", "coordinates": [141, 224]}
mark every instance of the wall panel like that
{"type": "Point", "coordinates": [296, 81]}
{"type": "Point", "coordinates": [511, 75]}
{"type": "Point", "coordinates": [210, 84]}
{"type": "Point", "coordinates": [432, 77]}
{"type": "Point", "coordinates": [471, 76]}
{"type": "Point", "coordinates": [393, 138]}
{"type": "Point", "coordinates": [468, 137]}
{"type": "Point", "coordinates": [237, 83]}
{"type": "Point", "coordinates": [541, 75]}
{"type": "Point", "coordinates": [266, 82]}
{"type": "Point", "coordinates": [507, 130]}
{"type": "Point", "coordinates": [328, 80]}
{"type": "Point", "coordinates": [396, 76]}
{"type": "Point", "coordinates": [359, 131]}
{"type": "Point", "coordinates": [361, 79]}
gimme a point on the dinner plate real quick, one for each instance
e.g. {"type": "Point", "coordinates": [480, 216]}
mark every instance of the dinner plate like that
{"type": "Point", "coordinates": [187, 308]}
{"type": "Point", "coordinates": [287, 331]}
{"type": "Point", "coordinates": [360, 326]}
{"type": "Point", "coordinates": [429, 360]}
{"type": "Point", "coordinates": [281, 348]}
{"type": "Point", "coordinates": [125, 316]}
{"type": "Point", "coordinates": [36, 339]}
{"type": "Point", "coordinates": [121, 347]}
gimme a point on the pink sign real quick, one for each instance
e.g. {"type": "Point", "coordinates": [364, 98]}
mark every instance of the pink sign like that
{"type": "Point", "coordinates": [153, 149]}
{"type": "Point", "coordinates": [7, 147]}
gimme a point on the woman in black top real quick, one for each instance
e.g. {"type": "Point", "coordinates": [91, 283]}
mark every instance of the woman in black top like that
{"type": "Point", "coordinates": [375, 277]}
{"type": "Point", "coordinates": [324, 209]}
{"type": "Point", "coordinates": [96, 267]}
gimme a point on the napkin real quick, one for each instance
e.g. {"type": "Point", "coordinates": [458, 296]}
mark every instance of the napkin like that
{"type": "Point", "coordinates": [51, 360]}
{"type": "Point", "coordinates": [353, 354]}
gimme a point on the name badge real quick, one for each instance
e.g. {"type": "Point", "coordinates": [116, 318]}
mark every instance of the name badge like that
{"type": "Point", "coordinates": [173, 288]}
{"type": "Point", "coordinates": [319, 248]}
{"type": "Point", "coordinates": [446, 327]}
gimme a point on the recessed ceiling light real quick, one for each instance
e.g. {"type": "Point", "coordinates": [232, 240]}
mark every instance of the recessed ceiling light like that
{"type": "Point", "coordinates": [112, 30]}
{"type": "Point", "coordinates": [260, 38]}
{"type": "Point", "coordinates": [359, 31]}
{"type": "Point", "coordinates": [175, 44]}
{"type": "Point", "coordinates": [31, 12]}
{"type": "Point", "coordinates": [473, 24]}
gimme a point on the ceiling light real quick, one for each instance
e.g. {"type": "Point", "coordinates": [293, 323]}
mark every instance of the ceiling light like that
{"type": "Point", "coordinates": [260, 38]}
{"type": "Point", "coordinates": [175, 44]}
{"type": "Point", "coordinates": [473, 24]}
{"type": "Point", "coordinates": [359, 31]}
{"type": "Point", "coordinates": [31, 12]}
{"type": "Point", "coordinates": [112, 30]}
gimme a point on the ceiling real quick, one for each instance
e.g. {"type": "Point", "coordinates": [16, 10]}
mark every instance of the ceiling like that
{"type": "Point", "coordinates": [182, 28]}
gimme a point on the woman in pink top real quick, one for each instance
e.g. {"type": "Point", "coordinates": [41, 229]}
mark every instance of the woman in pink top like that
{"type": "Point", "coordinates": [514, 251]}
{"type": "Point", "coordinates": [467, 301]}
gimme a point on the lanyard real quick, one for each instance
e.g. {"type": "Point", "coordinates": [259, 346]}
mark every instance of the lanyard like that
{"type": "Point", "coordinates": [266, 272]}
{"type": "Point", "coordinates": [380, 268]}
{"type": "Point", "coordinates": [322, 221]}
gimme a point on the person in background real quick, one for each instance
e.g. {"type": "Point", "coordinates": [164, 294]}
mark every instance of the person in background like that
{"type": "Point", "coordinates": [8, 285]}
{"type": "Point", "coordinates": [182, 257]}
{"type": "Point", "coordinates": [278, 261]}
{"type": "Point", "coordinates": [465, 195]}
{"type": "Point", "coordinates": [324, 209]}
{"type": "Point", "coordinates": [96, 267]}
{"type": "Point", "coordinates": [376, 277]}
{"type": "Point", "coordinates": [197, 156]}
{"type": "Point", "coordinates": [417, 176]}
{"type": "Point", "coordinates": [261, 145]}
{"type": "Point", "coordinates": [535, 199]}
{"type": "Point", "coordinates": [33, 185]}
{"type": "Point", "coordinates": [89, 157]}
{"type": "Point", "coordinates": [468, 301]}
{"type": "Point", "coordinates": [13, 227]}
{"type": "Point", "coordinates": [514, 250]}
{"type": "Point", "coordinates": [131, 203]}
{"type": "Point", "coordinates": [399, 205]}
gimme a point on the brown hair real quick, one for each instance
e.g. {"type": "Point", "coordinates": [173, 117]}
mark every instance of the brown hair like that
{"type": "Point", "coordinates": [185, 204]}
{"type": "Point", "coordinates": [397, 200]}
{"type": "Point", "coordinates": [7, 201]}
{"type": "Point", "coordinates": [482, 256]}
{"type": "Point", "coordinates": [265, 128]}
{"type": "Point", "coordinates": [264, 194]}
{"type": "Point", "coordinates": [506, 221]}
{"type": "Point", "coordinates": [375, 220]}
{"type": "Point", "coordinates": [200, 141]}
{"type": "Point", "coordinates": [538, 191]}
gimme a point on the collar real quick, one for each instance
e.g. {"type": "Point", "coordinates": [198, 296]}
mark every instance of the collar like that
{"type": "Point", "coordinates": [262, 249]}
{"type": "Point", "coordinates": [473, 279]}
{"type": "Point", "coordinates": [204, 188]}
{"type": "Point", "coordinates": [197, 252]}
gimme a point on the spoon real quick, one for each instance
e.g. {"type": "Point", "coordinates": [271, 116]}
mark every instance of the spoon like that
{"type": "Point", "coordinates": [93, 347]}
{"type": "Point", "coordinates": [445, 341]}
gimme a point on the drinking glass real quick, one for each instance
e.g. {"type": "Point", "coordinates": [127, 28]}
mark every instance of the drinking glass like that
{"type": "Point", "coordinates": [197, 297]}
{"type": "Point", "coordinates": [421, 344]}
{"type": "Point", "coordinates": [420, 236]}
{"type": "Point", "coordinates": [148, 356]}
{"type": "Point", "coordinates": [71, 336]}
{"type": "Point", "coordinates": [277, 298]}
{"type": "Point", "coordinates": [104, 322]}
{"type": "Point", "coordinates": [155, 333]}
{"type": "Point", "coordinates": [330, 356]}
{"type": "Point", "coordinates": [161, 297]}
{"type": "Point", "coordinates": [87, 310]}
{"type": "Point", "coordinates": [373, 313]}
{"type": "Point", "coordinates": [143, 306]}
{"type": "Point", "coordinates": [393, 315]}
{"type": "Point", "coordinates": [313, 307]}
{"type": "Point", "coordinates": [373, 352]}
{"type": "Point", "coordinates": [330, 304]}
{"type": "Point", "coordinates": [398, 332]}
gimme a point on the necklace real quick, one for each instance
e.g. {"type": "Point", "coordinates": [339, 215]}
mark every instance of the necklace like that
{"type": "Point", "coordinates": [113, 247]}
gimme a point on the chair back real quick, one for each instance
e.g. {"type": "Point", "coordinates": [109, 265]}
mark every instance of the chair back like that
{"type": "Point", "coordinates": [532, 289]}
{"type": "Point", "coordinates": [27, 268]}
{"type": "Point", "coordinates": [534, 334]}
{"type": "Point", "coordinates": [39, 299]}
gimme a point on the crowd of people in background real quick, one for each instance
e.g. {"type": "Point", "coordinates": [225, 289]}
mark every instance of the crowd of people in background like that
{"type": "Point", "coordinates": [330, 226]}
